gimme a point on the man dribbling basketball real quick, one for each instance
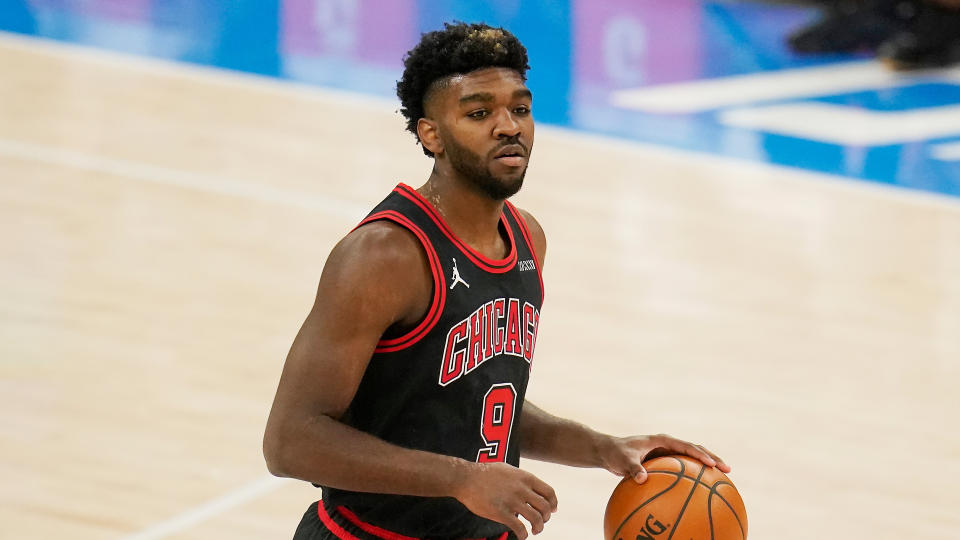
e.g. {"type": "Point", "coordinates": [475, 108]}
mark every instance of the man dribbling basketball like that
{"type": "Point", "coordinates": [403, 394]}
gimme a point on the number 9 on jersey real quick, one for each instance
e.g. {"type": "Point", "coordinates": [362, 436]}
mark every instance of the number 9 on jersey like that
{"type": "Point", "coordinates": [497, 422]}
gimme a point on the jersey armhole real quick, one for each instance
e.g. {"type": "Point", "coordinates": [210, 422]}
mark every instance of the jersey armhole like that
{"type": "Point", "coordinates": [528, 238]}
{"type": "Point", "coordinates": [439, 284]}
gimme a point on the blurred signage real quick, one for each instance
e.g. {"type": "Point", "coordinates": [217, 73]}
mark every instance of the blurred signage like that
{"type": "Point", "coordinates": [624, 43]}
{"type": "Point", "coordinates": [368, 31]}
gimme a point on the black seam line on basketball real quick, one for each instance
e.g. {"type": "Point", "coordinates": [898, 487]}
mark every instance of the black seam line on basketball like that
{"type": "Point", "coordinates": [710, 510]}
{"type": "Point", "coordinates": [713, 491]}
{"type": "Point", "coordinates": [637, 509]}
{"type": "Point", "coordinates": [683, 509]}
{"type": "Point", "coordinates": [650, 500]}
{"type": "Point", "coordinates": [691, 478]}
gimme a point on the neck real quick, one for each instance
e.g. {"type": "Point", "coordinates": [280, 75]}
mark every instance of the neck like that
{"type": "Point", "coordinates": [472, 215]}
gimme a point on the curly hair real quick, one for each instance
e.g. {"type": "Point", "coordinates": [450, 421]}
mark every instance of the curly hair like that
{"type": "Point", "coordinates": [457, 49]}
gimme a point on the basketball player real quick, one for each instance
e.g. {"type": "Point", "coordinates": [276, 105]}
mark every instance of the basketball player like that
{"type": "Point", "coordinates": [403, 394]}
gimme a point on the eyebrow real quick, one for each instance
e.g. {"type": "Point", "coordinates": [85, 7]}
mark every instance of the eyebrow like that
{"type": "Point", "coordinates": [487, 97]}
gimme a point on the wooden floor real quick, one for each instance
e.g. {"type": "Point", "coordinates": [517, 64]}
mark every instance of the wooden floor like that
{"type": "Point", "coordinates": [162, 229]}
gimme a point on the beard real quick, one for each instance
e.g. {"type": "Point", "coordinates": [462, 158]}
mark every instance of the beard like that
{"type": "Point", "coordinates": [476, 171]}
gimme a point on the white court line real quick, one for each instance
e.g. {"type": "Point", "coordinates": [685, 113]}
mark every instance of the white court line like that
{"type": "Point", "coordinates": [946, 151]}
{"type": "Point", "coordinates": [210, 509]}
{"type": "Point", "coordinates": [173, 177]}
{"type": "Point", "coordinates": [845, 125]}
{"type": "Point", "coordinates": [709, 94]}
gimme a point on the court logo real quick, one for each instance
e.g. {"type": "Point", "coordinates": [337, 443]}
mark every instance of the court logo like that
{"type": "Point", "coordinates": [456, 276]}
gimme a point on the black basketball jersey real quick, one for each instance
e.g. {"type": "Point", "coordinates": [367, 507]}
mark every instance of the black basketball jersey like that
{"type": "Point", "coordinates": [455, 383]}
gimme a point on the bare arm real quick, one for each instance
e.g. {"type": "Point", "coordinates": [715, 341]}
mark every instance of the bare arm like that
{"type": "Point", "coordinates": [550, 438]}
{"type": "Point", "coordinates": [357, 300]}
{"type": "Point", "coordinates": [558, 440]}
{"type": "Point", "coordinates": [375, 279]}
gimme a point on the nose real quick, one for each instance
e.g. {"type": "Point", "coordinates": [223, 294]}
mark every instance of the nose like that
{"type": "Point", "coordinates": [506, 126]}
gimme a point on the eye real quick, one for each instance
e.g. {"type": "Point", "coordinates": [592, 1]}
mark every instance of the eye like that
{"type": "Point", "coordinates": [522, 110]}
{"type": "Point", "coordinates": [478, 115]}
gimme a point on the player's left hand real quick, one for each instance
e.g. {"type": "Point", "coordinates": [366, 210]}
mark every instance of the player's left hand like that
{"type": "Point", "coordinates": [624, 456]}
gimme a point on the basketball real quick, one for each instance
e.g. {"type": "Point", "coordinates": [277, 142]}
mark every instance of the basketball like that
{"type": "Point", "coordinates": [682, 498]}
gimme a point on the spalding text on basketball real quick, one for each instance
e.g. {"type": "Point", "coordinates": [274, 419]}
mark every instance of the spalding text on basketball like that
{"type": "Point", "coordinates": [651, 529]}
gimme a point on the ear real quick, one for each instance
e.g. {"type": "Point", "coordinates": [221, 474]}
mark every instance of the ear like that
{"type": "Point", "coordinates": [429, 133]}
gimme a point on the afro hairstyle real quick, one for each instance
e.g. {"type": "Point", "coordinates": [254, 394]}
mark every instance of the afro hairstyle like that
{"type": "Point", "coordinates": [457, 49]}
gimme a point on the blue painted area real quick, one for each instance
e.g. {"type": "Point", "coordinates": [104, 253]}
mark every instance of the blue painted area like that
{"type": "Point", "coordinates": [582, 51]}
{"type": "Point", "coordinates": [921, 95]}
{"type": "Point", "coordinates": [544, 28]}
{"type": "Point", "coordinates": [16, 16]}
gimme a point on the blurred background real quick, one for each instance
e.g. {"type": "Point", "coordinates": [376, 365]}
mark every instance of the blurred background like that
{"type": "Point", "coordinates": [590, 60]}
{"type": "Point", "coordinates": [754, 243]}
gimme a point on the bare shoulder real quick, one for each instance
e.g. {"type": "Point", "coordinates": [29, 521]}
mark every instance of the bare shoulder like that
{"type": "Point", "coordinates": [380, 265]}
{"type": "Point", "coordinates": [374, 279]}
{"type": "Point", "coordinates": [536, 231]}
{"type": "Point", "coordinates": [377, 245]}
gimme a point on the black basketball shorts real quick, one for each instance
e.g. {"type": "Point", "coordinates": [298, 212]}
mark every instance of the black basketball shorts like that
{"type": "Point", "coordinates": [320, 523]}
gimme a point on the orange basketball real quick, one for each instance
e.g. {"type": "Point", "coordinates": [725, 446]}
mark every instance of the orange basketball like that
{"type": "Point", "coordinates": [681, 499]}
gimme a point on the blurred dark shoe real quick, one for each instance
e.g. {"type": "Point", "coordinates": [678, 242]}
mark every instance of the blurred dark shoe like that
{"type": "Point", "coordinates": [933, 40]}
{"type": "Point", "coordinates": [853, 25]}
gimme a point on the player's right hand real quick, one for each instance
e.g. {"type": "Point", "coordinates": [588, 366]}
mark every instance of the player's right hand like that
{"type": "Point", "coordinates": [502, 493]}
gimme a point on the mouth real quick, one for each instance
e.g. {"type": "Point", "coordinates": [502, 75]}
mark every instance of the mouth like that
{"type": "Point", "coordinates": [512, 155]}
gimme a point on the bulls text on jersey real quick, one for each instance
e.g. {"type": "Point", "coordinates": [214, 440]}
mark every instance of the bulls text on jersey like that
{"type": "Point", "coordinates": [499, 327]}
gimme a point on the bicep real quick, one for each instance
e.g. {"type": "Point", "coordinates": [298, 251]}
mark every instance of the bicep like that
{"type": "Point", "coordinates": [357, 301]}
{"type": "Point", "coordinates": [328, 357]}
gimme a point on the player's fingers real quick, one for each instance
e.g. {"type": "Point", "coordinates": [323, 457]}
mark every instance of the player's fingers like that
{"type": "Point", "coordinates": [691, 450]}
{"type": "Point", "coordinates": [541, 505]}
{"type": "Point", "coordinates": [511, 520]}
{"type": "Point", "coordinates": [639, 474]}
{"type": "Point", "coordinates": [532, 515]}
{"type": "Point", "coordinates": [720, 463]}
{"type": "Point", "coordinates": [517, 526]}
{"type": "Point", "coordinates": [544, 490]}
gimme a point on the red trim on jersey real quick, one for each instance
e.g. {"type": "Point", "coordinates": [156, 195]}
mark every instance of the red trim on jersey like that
{"type": "Point", "coordinates": [343, 534]}
{"type": "Point", "coordinates": [490, 265]}
{"type": "Point", "coordinates": [501, 537]}
{"type": "Point", "coordinates": [372, 529]}
{"type": "Point", "coordinates": [332, 525]}
{"type": "Point", "coordinates": [439, 285]}
{"type": "Point", "coordinates": [525, 231]}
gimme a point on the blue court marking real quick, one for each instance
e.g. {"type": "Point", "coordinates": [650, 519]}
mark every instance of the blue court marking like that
{"type": "Point", "coordinates": [582, 53]}
{"type": "Point", "coordinates": [906, 98]}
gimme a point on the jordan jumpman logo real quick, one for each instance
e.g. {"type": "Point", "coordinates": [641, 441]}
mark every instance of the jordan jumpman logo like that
{"type": "Point", "coordinates": [456, 276]}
